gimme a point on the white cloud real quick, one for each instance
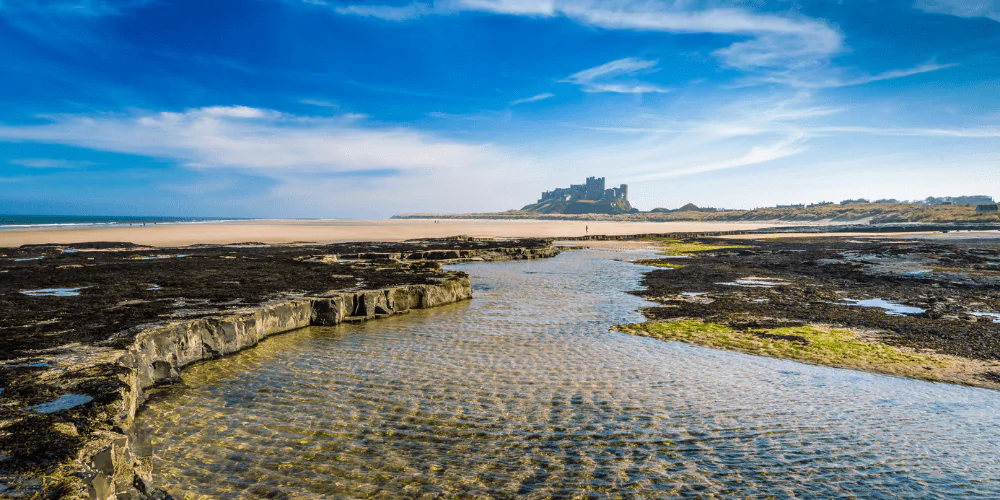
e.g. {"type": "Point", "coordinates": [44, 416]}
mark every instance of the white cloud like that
{"type": "Point", "coordinates": [793, 144]}
{"type": "Point", "coordinates": [626, 66]}
{"type": "Point", "coordinates": [958, 133]}
{"type": "Point", "coordinates": [239, 112]}
{"type": "Point", "coordinates": [591, 79]}
{"type": "Point", "coordinates": [834, 79]}
{"type": "Point", "coordinates": [961, 8]}
{"type": "Point", "coordinates": [788, 49]}
{"type": "Point", "coordinates": [713, 138]}
{"type": "Point", "coordinates": [91, 8]}
{"type": "Point", "coordinates": [535, 98]}
{"type": "Point", "coordinates": [386, 12]}
{"type": "Point", "coordinates": [49, 163]}
{"type": "Point", "coordinates": [320, 103]}
{"type": "Point", "coordinates": [260, 141]}
{"type": "Point", "coordinates": [516, 7]}
{"type": "Point", "coordinates": [774, 40]}
{"type": "Point", "coordinates": [625, 88]}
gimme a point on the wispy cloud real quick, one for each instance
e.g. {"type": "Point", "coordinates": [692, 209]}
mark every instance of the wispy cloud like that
{"type": "Point", "coordinates": [835, 79]}
{"type": "Point", "coordinates": [535, 98]}
{"type": "Point", "coordinates": [264, 142]}
{"type": "Point", "coordinates": [63, 23]}
{"type": "Point", "coordinates": [94, 8]}
{"type": "Point", "coordinates": [596, 79]}
{"type": "Point", "coordinates": [787, 49]}
{"type": "Point", "coordinates": [627, 66]}
{"type": "Point", "coordinates": [544, 8]}
{"type": "Point", "coordinates": [320, 103]}
{"type": "Point", "coordinates": [625, 88]}
{"type": "Point", "coordinates": [970, 133]}
{"type": "Point", "coordinates": [49, 163]}
{"type": "Point", "coordinates": [961, 8]}
{"type": "Point", "coordinates": [753, 132]}
{"type": "Point", "coordinates": [790, 145]}
{"type": "Point", "coordinates": [774, 41]}
{"type": "Point", "coordinates": [386, 12]}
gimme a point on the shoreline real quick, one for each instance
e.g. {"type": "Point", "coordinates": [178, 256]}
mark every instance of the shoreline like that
{"type": "Point", "coordinates": [336, 231]}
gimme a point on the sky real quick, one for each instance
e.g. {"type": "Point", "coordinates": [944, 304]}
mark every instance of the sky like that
{"type": "Point", "coordinates": [365, 109]}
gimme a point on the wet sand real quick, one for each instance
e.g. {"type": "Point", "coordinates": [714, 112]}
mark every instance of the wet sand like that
{"type": "Point", "coordinates": [335, 231]}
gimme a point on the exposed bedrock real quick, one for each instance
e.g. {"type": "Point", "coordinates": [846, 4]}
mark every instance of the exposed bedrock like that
{"type": "Point", "coordinates": [117, 465]}
{"type": "Point", "coordinates": [77, 368]}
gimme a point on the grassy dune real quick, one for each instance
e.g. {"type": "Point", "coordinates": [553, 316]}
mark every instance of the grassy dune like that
{"type": "Point", "coordinates": [879, 213]}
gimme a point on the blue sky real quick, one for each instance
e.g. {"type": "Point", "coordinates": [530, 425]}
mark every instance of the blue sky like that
{"type": "Point", "coordinates": [327, 108]}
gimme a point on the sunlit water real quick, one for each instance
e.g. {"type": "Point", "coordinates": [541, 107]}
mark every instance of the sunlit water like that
{"type": "Point", "coordinates": [524, 391]}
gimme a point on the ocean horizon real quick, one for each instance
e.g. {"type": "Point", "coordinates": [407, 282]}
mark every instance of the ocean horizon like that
{"type": "Point", "coordinates": [13, 221]}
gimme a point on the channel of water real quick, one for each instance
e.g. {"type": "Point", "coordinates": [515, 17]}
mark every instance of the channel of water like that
{"type": "Point", "coordinates": [524, 391]}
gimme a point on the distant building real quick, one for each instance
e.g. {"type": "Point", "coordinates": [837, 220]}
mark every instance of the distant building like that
{"type": "Point", "coordinates": [987, 209]}
{"type": "Point", "coordinates": [792, 206]}
{"type": "Point", "coordinates": [588, 198]}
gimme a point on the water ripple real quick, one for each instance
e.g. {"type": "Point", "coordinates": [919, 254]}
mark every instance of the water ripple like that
{"type": "Point", "coordinates": [525, 392]}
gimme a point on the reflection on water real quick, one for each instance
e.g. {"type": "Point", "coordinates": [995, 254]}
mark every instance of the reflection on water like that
{"type": "Point", "coordinates": [524, 391]}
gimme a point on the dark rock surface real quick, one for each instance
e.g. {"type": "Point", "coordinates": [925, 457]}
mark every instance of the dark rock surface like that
{"type": "Point", "coordinates": [812, 280]}
{"type": "Point", "coordinates": [110, 320]}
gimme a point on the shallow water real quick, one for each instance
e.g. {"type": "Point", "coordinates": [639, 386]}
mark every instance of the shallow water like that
{"type": "Point", "coordinates": [524, 391]}
{"type": "Point", "coordinates": [64, 402]}
{"type": "Point", "coordinates": [891, 308]}
{"type": "Point", "coordinates": [53, 292]}
{"type": "Point", "coordinates": [995, 316]}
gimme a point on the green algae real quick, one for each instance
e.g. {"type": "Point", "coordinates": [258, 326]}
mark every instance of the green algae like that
{"type": "Point", "coordinates": [814, 344]}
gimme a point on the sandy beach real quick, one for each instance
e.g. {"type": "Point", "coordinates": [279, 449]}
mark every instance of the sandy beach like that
{"type": "Point", "coordinates": [333, 231]}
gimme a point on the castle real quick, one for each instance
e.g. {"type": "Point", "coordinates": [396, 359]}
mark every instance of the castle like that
{"type": "Point", "coordinates": [592, 190]}
{"type": "Point", "coordinates": [588, 198]}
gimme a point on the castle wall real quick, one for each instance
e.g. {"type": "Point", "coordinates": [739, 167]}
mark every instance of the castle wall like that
{"type": "Point", "coordinates": [593, 190]}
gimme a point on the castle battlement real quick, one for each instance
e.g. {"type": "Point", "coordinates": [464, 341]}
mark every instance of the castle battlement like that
{"type": "Point", "coordinates": [592, 190]}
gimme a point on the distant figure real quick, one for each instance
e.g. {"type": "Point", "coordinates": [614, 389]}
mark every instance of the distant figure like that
{"type": "Point", "coordinates": [587, 229]}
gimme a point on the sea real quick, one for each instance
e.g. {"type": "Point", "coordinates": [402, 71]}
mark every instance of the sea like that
{"type": "Point", "coordinates": [8, 222]}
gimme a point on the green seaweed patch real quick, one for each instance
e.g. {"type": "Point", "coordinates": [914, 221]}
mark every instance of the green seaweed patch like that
{"type": "Point", "coordinates": [676, 248]}
{"type": "Point", "coordinates": [658, 263]}
{"type": "Point", "coordinates": [813, 344]}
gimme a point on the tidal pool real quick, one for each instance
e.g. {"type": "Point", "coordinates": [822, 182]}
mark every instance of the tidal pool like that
{"type": "Point", "coordinates": [524, 391]}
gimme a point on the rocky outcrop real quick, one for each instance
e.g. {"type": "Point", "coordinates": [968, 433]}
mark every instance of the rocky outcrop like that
{"type": "Point", "coordinates": [117, 464]}
{"type": "Point", "coordinates": [457, 255]}
{"type": "Point", "coordinates": [75, 368]}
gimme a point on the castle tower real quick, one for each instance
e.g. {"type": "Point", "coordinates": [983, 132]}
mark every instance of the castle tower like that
{"type": "Point", "coordinates": [595, 188]}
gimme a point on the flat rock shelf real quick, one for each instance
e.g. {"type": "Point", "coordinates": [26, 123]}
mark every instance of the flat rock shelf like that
{"type": "Point", "coordinates": [79, 366]}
